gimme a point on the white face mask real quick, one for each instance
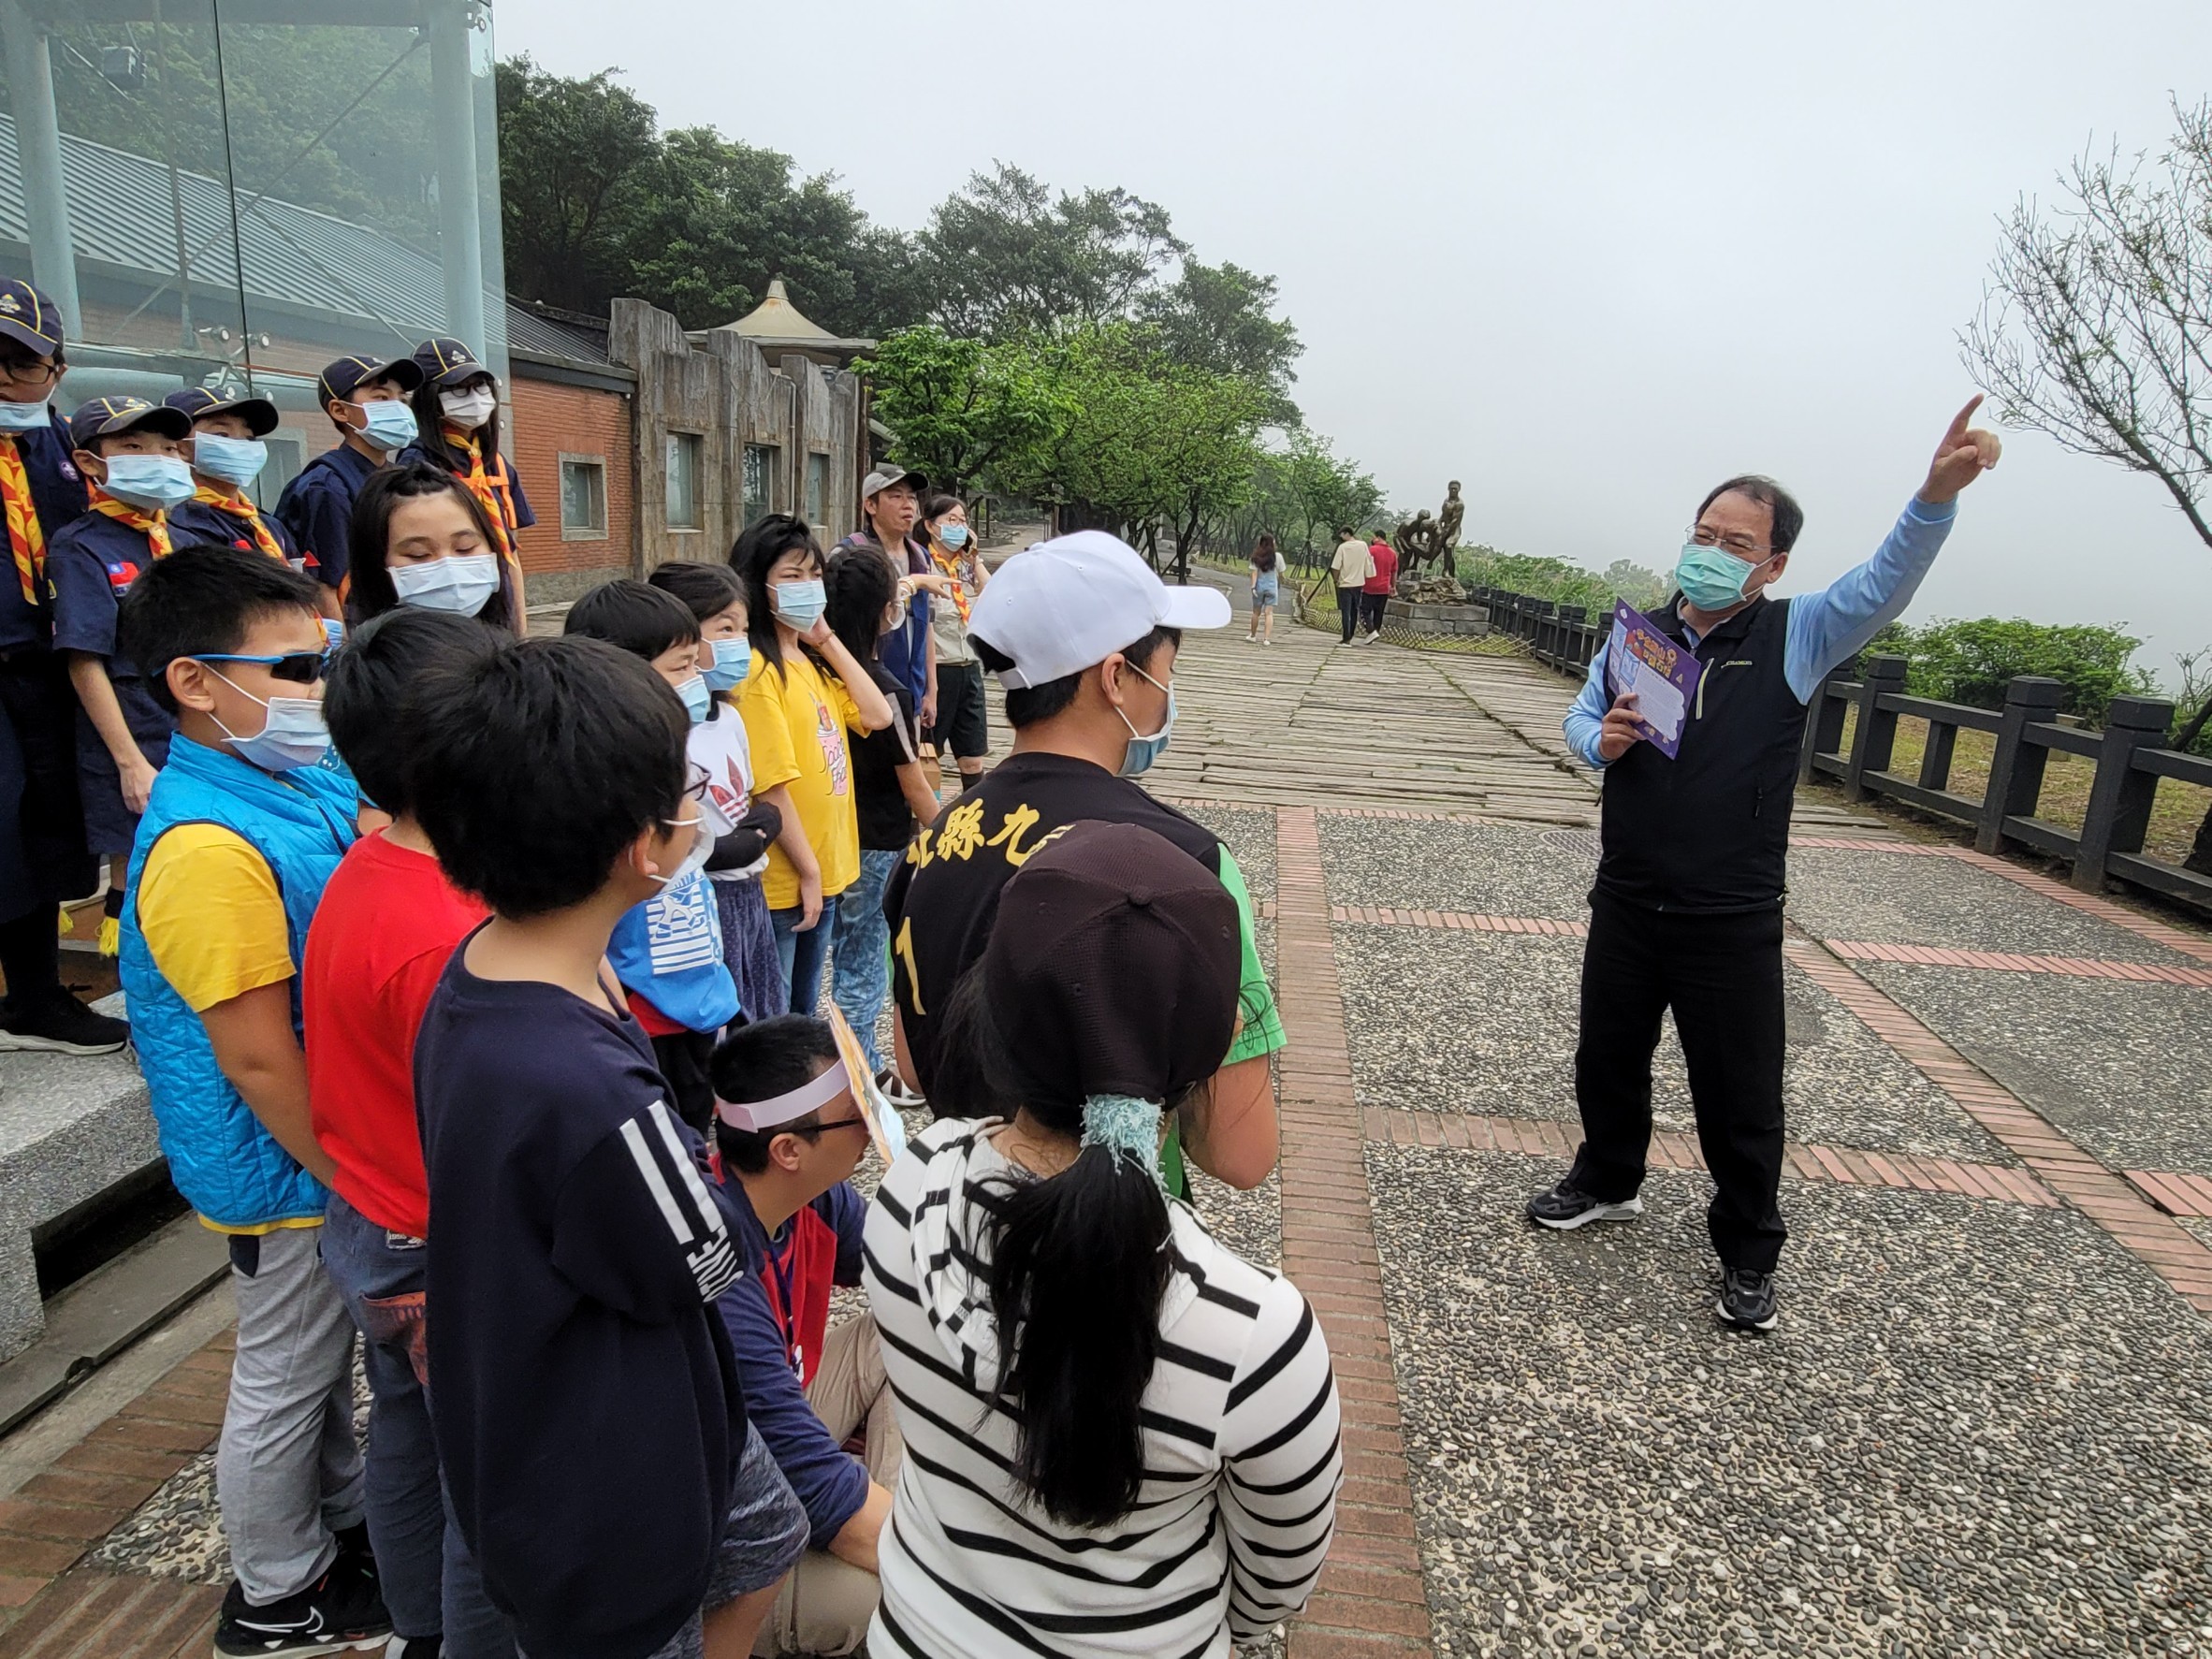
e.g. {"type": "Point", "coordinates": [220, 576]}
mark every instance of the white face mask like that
{"type": "Point", "coordinates": [469, 410]}
{"type": "Point", "coordinates": [461, 582]}
{"type": "Point", "coordinates": [702, 849]}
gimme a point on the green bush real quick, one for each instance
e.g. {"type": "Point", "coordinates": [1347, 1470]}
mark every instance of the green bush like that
{"type": "Point", "coordinates": [1970, 661]}
{"type": "Point", "coordinates": [1540, 578]}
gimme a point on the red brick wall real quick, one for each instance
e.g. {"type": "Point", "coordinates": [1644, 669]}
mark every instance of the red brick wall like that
{"type": "Point", "coordinates": [552, 420]}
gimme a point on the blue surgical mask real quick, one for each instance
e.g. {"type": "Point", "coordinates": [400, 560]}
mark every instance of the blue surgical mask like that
{"type": "Point", "coordinates": [238, 461]}
{"type": "Point", "coordinates": [799, 605]}
{"type": "Point", "coordinates": [155, 483]}
{"type": "Point", "coordinates": [697, 698]}
{"type": "Point", "coordinates": [462, 583]}
{"type": "Point", "coordinates": [1712, 578]}
{"type": "Point", "coordinates": [293, 736]}
{"type": "Point", "coordinates": [1144, 750]}
{"type": "Point", "coordinates": [733, 661]}
{"type": "Point", "coordinates": [952, 536]}
{"type": "Point", "coordinates": [390, 424]}
{"type": "Point", "coordinates": [23, 417]}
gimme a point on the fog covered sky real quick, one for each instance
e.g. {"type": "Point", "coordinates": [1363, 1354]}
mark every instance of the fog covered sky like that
{"type": "Point", "coordinates": [1589, 256]}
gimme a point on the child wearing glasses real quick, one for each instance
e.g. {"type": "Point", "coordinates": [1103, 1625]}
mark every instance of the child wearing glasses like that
{"type": "Point", "coordinates": [242, 829]}
{"type": "Point", "coordinates": [668, 951]}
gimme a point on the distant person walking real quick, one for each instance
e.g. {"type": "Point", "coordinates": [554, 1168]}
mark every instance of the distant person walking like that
{"type": "Point", "coordinates": [1686, 913]}
{"type": "Point", "coordinates": [963, 713]}
{"type": "Point", "coordinates": [1349, 570]}
{"type": "Point", "coordinates": [1376, 592]}
{"type": "Point", "coordinates": [1267, 586]}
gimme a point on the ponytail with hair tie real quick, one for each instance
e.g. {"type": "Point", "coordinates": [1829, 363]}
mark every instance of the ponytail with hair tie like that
{"type": "Point", "coordinates": [1127, 1128]}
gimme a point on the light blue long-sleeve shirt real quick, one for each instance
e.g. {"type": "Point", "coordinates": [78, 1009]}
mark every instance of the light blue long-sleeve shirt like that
{"type": "Point", "coordinates": [1824, 628]}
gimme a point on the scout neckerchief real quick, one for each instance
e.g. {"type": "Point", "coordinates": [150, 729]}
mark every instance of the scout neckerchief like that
{"type": "Point", "coordinates": [25, 539]}
{"type": "Point", "coordinates": [240, 505]}
{"type": "Point", "coordinates": [155, 527]}
{"type": "Point", "coordinates": [489, 491]}
{"type": "Point", "coordinates": [951, 567]}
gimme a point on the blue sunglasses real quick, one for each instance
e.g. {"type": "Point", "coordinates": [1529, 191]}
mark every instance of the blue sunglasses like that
{"type": "Point", "coordinates": [296, 667]}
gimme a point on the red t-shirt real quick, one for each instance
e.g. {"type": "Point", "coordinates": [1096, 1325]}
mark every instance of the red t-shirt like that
{"type": "Point", "coordinates": [387, 923]}
{"type": "Point", "coordinates": [1386, 567]}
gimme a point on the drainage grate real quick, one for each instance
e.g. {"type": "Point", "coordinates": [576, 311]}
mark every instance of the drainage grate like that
{"type": "Point", "coordinates": [1582, 843]}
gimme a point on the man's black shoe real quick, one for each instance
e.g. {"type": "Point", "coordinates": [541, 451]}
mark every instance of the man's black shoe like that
{"type": "Point", "coordinates": [338, 1613]}
{"type": "Point", "coordinates": [58, 1024]}
{"type": "Point", "coordinates": [1747, 1300]}
{"type": "Point", "coordinates": [1566, 1206]}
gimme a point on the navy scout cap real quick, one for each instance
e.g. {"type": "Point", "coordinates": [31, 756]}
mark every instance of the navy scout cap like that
{"type": "Point", "coordinates": [199, 402]}
{"type": "Point", "coordinates": [29, 318]}
{"type": "Point", "coordinates": [348, 375]}
{"type": "Point", "coordinates": [446, 362]}
{"type": "Point", "coordinates": [109, 417]}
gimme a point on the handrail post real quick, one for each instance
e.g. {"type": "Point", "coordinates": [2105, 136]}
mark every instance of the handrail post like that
{"type": "Point", "coordinates": [1824, 726]}
{"type": "Point", "coordinates": [2120, 797]}
{"type": "Point", "coordinates": [1870, 744]}
{"type": "Point", "coordinates": [2015, 769]}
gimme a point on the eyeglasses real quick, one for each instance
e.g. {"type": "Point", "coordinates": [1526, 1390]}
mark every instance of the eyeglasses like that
{"type": "Point", "coordinates": [302, 668]}
{"type": "Point", "coordinates": [842, 1123]}
{"type": "Point", "coordinates": [696, 779]}
{"type": "Point", "coordinates": [29, 372]}
{"type": "Point", "coordinates": [1741, 546]}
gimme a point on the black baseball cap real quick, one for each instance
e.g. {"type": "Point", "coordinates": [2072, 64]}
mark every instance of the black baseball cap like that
{"type": "Point", "coordinates": [446, 362]}
{"type": "Point", "coordinates": [1117, 959]}
{"type": "Point", "coordinates": [348, 375]}
{"type": "Point", "coordinates": [29, 318]}
{"type": "Point", "coordinates": [109, 417]}
{"type": "Point", "coordinates": [199, 402]}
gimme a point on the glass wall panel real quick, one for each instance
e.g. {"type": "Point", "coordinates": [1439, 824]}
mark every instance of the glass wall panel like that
{"type": "Point", "coordinates": [234, 193]}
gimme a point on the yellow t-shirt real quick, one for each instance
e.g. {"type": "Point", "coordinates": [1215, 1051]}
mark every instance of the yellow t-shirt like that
{"type": "Point", "coordinates": [795, 720]}
{"type": "Point", "coordinates": [213, 921]}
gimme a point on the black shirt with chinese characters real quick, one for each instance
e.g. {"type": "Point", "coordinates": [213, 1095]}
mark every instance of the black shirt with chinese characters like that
{"type": "Point", "coordinates": [942, 899]}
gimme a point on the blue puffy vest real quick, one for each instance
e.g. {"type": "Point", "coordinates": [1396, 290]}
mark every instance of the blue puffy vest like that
{"type": "Point", "coordinates": [227, 1166]}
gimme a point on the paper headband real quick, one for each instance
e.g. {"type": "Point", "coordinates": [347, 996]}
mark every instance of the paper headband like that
{"type": "Point", "coordinates": [811, 1095]}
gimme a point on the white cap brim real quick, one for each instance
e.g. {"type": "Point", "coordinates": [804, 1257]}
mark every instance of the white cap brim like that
{"type": "Point", "coordinates": [1196, 607]}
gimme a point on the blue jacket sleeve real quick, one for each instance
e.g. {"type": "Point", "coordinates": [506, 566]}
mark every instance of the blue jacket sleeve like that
{"type": "Point", "coordinates": [830, 1484]}
{"type": "Point", "coordinates": [1587, 712]}
{"type": "Point", "coordinates": [1825, 628]}
{"type": "Point", "coordinates": [847, 1215]}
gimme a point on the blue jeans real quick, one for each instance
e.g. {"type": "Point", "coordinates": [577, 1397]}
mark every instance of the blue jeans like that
{"type": "Point", "coordinates": [431, 1582]}
{"type": "Point", "coordinates": [802, 954]}
{"type": "Point", "coordinates": [860, 960]}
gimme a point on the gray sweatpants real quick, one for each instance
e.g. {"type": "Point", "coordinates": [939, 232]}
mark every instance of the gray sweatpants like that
{"type": "Point", "coordinates": [288, 1470]}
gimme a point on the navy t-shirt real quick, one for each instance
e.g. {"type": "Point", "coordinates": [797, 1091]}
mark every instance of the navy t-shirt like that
{"type": "Point", "coordinates": [317, 507]}
{"type": "Point", "coordinates": [57, 491]}
{"type": "Point", "coordinates": [585, 1398]}
{"type": "Point", "coordinates": [200, 521]}
{"type": "Point", "coordinates": [90, 566]}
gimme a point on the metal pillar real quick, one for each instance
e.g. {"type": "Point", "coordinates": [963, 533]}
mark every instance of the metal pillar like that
{"type": "Point", "coordinates": [460, 225]}
{"type": "Point", "coordinates": [39, 148]}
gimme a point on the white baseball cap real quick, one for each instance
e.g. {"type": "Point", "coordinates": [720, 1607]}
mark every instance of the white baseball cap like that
{"type": "Point", "coordinates": [1070, 602]}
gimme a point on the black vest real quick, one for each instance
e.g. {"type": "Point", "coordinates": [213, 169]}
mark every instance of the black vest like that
{"type": "Point", "coordinates": [1711, 829]}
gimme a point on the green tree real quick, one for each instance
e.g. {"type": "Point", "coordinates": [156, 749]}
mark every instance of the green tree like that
{"type": "Point", "coordinates": [1216, 317]}
{"type": "Point", "coordinates": [1329, 492]}
{"type": "Point", "coordinates": [1005, 257]}
{"type": "Point", "coordinates": [572, 153]}
{"type": "Point", "coordinates": [1973, 662]}
{"type": "Point", "coordinates": [964, 411]}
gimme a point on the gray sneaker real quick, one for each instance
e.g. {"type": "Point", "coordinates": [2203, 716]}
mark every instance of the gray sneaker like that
{"type": "Point", "coordinates": [1566, 1206]}
{"type": "Point", "coordinates": [1747, 1300]}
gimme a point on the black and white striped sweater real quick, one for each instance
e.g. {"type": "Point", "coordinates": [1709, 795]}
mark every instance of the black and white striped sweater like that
{"type": "Point", "coordinates": [1241, 1451]}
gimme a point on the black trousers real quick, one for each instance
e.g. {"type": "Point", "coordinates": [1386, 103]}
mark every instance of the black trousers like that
{"type": "Point", "coordinates": [1370, 610]}
{"type": "Point", "coordinates": [1722, 976]}
{"type": "Point", "coordinates": [1347, 610]}
{"type": "Point", "coordinates": [683, 1056]}
{"type": "Point", "coordinates": [42, 847]}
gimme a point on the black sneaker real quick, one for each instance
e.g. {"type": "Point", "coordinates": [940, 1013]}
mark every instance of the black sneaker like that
{"type": "Point", "coordinates": [338, 1613]}
{"type": "Point", "coordinates": [58, 1024]}
{"type": "Point", "coordinates": [1747, 1300]}
{"type": "Point", "coordinates": [1566, 1206]}
{"type": "Point", "coordinates": [895, 1091]}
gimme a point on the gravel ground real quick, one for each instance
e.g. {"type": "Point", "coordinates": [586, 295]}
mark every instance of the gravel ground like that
{"type": "Point", "coordinates": [1980, 1429]}
{"type": "Point", "coordinates": [1902, 901]}
{"type": "Point", "coordinates": [1485, 1023]}
{"type": "Point", "coordinates": [1249, 1223]}
{"type": "Point", "coordinates": [2125, 1069]}
{"type": "Point", "coordinates": [2199, 1225]}
{"type": "Point", "coordinates": [1250, 832]}
{"type": "Point", "coordinates": [1490, 869]}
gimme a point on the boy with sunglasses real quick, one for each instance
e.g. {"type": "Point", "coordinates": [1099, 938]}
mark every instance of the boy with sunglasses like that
{"type": "Point", "coordinates": [789, 1133]}
{"type": "Point", "coordinates": [241, 830]}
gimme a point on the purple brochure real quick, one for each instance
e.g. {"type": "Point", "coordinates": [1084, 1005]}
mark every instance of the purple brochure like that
{"type": "Point", "coordinates": [1661, 671]}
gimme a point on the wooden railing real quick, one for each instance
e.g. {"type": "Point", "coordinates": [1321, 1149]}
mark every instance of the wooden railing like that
{"type": "Point", "coordinates": [2129, 756]}
{"type": "Point", "coordinates": [1562, 636]}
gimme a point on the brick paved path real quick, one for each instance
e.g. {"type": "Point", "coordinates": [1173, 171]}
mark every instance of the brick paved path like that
{"type": "Point", "coordinates": [1980, 1428]}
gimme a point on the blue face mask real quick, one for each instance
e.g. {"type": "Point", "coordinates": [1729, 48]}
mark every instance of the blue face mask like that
{"type": "Point", "coordinates": [23, 417]}
{"type": "Point", "coordinates": [799, 605]}
{"type": "Point", "coordinates": [155, 483]}
{"type": "Point", "coordinates": [733, 661]}
{"type": "Point", "coordinates": [697, 698]}
{"type": "Point", "coordinates": [391, 423]}
{"type": "Point", "coordinates": [1144, 750]}
{"type": "Point", "coordinates": [1712, 578]}
{"type": "Point", "coordinates": [238, 461]}
{"type": "Point", "coordinates": [952, 536]}
{"type": "Point", "coordinates": [292, 736]}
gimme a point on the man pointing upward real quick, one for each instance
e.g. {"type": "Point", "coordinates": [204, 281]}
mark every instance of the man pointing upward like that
{"type": "Point", "coordinates": [1686, 912]}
